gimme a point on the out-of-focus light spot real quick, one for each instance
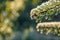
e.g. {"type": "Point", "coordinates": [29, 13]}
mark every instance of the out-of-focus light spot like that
{"type": "Point", "coordinates": [58, 34]}
{"type": "Point", "coordinates": [3, 28]}
{"type": "Point", "coordinates": [31, 29]}
{"type": "Point", "coordinates": [1, 37]}
{"type": "Point", "coordinates": [38, 30]}
{"type": "Point", "coordinates": [8, 30]}
{"type": "Point", "coordinates": [14, 13]}
{"type": "Point", "coordinates": [17, 4]}
{"type": "Point", "coordinates": [4, 14]}
{"type": "Point", "coordinates": [6, 21]}
{"type": "Point", "coordinates": [35, 2]}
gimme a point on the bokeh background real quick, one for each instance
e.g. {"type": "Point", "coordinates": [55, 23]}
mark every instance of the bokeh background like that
{"type": "Point", "coordinates": [24, 28]}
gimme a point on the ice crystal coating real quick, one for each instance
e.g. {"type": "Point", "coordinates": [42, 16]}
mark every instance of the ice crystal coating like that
{"type": "Point", "coordinates": [46, 11]}
{"type": "Point", "coordinates": [49, 27]}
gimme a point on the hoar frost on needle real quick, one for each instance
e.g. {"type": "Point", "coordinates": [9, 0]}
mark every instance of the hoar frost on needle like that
{"type": "Point", "coordinates": [46, 12]}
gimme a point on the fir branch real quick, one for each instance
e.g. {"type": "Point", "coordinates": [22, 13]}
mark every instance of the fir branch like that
{"type": "Point", "coordinates": [49, 27]}
{"type": "Point", "coordinates": [46, 10]}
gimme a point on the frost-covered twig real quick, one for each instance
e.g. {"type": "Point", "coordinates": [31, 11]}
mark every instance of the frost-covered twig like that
{"type": "Point", "coordinates": [49, 27]}
{"type": "Point", "coordinates": [46, 11]}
